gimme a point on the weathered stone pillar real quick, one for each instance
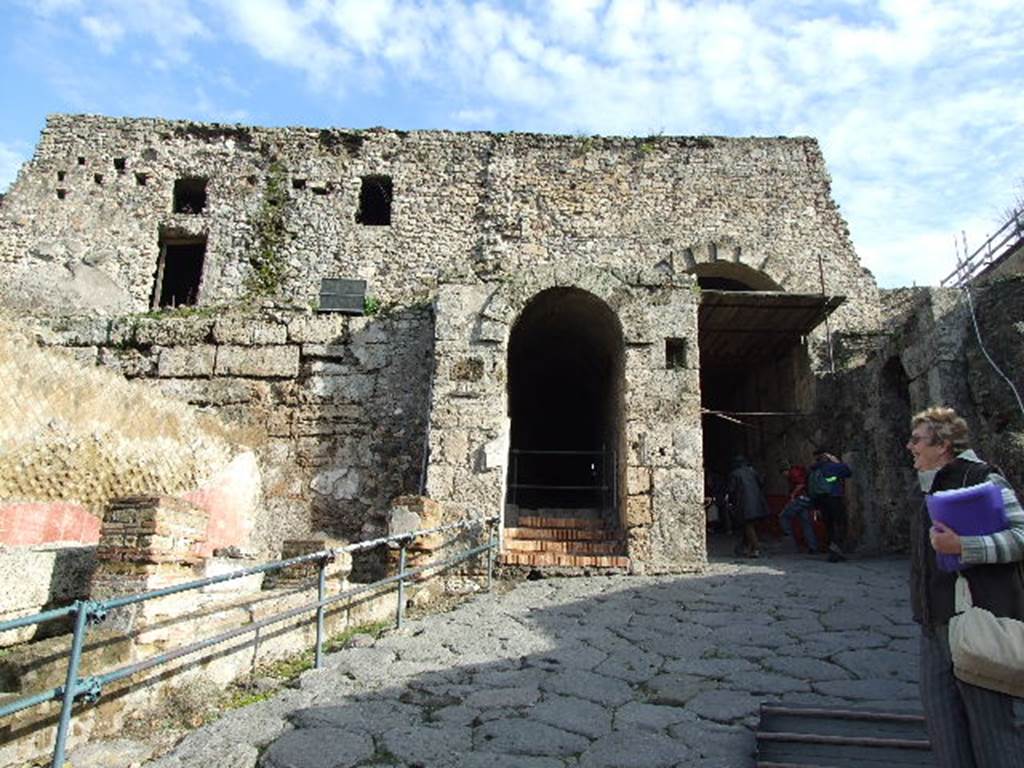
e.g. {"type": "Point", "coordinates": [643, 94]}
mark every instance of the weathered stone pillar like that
{"type": "Point", "coordinates": [146, 543]}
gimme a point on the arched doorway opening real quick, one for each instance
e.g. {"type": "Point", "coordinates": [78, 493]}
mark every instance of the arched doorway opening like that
{"type": "Point", "coordinates": [565, 387]}
{"type": "Point", "coordinates": [757, 385]}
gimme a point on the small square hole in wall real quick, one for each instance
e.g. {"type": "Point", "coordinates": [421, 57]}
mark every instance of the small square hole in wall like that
{"type": "Point", "coordinates": [119, 164]}
{"type": "Point", "coordinates": [375, 201]}
{"type": "Point", "coordinates": [298, 183]}
{"type": "Point", "coordinates": [141, 179]}
{"type": "Point", "coordinates": [61, 175]}
{"type": "Point", "coordinates": [675, 353]}
{"type": "Point", "coordinates": [190, 194]}
{"type": "Point", "coordinates": [98, 178]}
{"type": "Point", "coordinates": [61, 194]}
{"type": "Point", "coordinates": [81, 161]}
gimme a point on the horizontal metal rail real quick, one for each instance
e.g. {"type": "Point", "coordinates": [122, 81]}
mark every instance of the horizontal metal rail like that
{"type": "Point", "coordinates": [88, 612]}
{"type": "Point", "coordinates": [1004, 241]}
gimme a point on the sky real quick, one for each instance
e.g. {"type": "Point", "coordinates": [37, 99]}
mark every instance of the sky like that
{"type": "Point", "coordinates": [918, 104]}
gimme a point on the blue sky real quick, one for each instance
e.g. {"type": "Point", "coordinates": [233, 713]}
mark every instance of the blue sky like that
{"type": "Point", "coordinates": [917, 103]}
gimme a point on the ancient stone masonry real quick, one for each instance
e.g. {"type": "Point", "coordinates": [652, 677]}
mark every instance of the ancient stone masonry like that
{"type": "Point", "coordinates": [499, 259]}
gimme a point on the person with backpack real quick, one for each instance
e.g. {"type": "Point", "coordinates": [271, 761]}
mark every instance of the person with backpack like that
{"type": "Point", "coordinates": [798, 505]}
{"type": "Point", "coordinates": [825, 485]}
{"type": "Point", "coordinates": [745, 496]}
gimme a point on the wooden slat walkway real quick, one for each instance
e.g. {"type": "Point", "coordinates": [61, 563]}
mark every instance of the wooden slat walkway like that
{"type": "Point", "coordinates": [807, 737]}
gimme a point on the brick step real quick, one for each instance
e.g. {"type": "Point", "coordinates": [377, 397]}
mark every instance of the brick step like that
{"type": "Point", "coordinates": [555, 559]}
{"type": "Point", "coordinates": [568, 547]}
{"type": "Point", "coordinates": [564, 534]}
{"type": "Point", "coordinates": [527, 521]}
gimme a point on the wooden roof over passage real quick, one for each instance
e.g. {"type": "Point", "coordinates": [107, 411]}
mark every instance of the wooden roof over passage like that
{"type": "Point", "coordinates": [744, 328]}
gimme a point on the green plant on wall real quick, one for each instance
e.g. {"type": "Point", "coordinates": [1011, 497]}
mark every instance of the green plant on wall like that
{"type": "Point", "coordinates": [266, 257]}
{"type": "Point", "coordinates": [371, 305]}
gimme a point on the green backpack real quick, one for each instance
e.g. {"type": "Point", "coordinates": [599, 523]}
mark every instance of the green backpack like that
{"type": "Point", "coordinates": [819, 484]}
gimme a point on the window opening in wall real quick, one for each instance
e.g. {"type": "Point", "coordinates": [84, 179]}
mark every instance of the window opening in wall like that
{"type": "Point", "coordinates": [98, 178]}
{"type": "Point", "coordinates": [675, 353]}
{"type": "Point", "coordinates": [141, 179]}
{"type": "Point", "coordinates": [61, 175]}
{"type": "Point", "coordinates": [179, 271]}
{"type": "Point", "coordinates": [81, 161]}
{"type": "Point", "coordinates": [190, 194]}
{"type": "Point", "coordinates": [375, 201]}
{"type": "Point", "coordinates": [298, 183]}
{"type": "Point", "coordinates": [119, 164]}
{"type": "Point", "coordinates": [61, 194]}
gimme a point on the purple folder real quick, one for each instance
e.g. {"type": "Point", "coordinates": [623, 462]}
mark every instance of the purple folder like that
{"type": "Point", "coordinates": [976, 510]}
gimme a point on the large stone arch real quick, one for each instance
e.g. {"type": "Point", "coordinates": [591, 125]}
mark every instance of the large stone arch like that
{"type": "Point", "coordinates": [658, 473]}
{"type": "Point", "coordinates": [727, 258]}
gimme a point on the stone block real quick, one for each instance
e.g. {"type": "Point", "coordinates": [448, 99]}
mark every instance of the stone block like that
{"type": "Point", "coordinates": [130, 362]}
{"type": "Point", "coordinates": [638, 480]}
{"type": "Point", "coordinates": [258, 362]}
{"type": "Point", "coordinates": [247, 331]}
{"type": "Point", "coordinates": [638, 511]}
{"type": "Point", "coordinates": [327, 329]}
{"type": "Point", "coordinates": [149, 530]}
{"type": "Point", "coordinates": [325, 350]}
{"type": "Point", "coordinates": [186, 362]}
{"type": "Point", "coordinates": [170, 331]}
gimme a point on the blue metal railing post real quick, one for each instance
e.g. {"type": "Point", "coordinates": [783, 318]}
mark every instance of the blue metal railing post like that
{"type": "Point", "coordinates": [71, 684]}
{"type": "Point", "coordinates": [492, 545]}
{"type": "Point", "coordinates": [321, 593]}
{"type": "Point", "coordinates": [401, 585]}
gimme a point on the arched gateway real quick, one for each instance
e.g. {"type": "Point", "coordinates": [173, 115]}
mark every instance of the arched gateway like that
{"type": "Point", "coordinates": [567, 401]}
{"type": "Point", "coordinates": [565, 395]}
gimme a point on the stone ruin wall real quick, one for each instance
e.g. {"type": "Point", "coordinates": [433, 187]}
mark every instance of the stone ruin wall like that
{"type": "Point", "coordinates": [926, 355]}
{"type": "Point", "coordinates": [345, 423]}
{"type": "Point", "coordinates": [472, 206]}
{"type": "Point", "coordinates": [333, 406]}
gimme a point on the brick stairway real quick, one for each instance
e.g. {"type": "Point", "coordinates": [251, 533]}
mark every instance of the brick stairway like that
{"type": "Point", "coordinates": [570, 538]}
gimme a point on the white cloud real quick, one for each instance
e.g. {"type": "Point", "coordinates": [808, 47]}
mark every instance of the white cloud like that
{"type": "Point", "coordinates": [105, 31]}
{"type": "Point", "coordinates": [916, 102]}
{"type": "Point", "coordinates": [12, 157]}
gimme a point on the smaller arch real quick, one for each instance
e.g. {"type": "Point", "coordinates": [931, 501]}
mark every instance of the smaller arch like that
{"type": "Point", "coordinates": [732, 276]}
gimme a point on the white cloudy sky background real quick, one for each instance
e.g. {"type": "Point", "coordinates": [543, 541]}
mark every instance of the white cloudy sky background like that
{"type": "Point", "coordinates": [917, 104]}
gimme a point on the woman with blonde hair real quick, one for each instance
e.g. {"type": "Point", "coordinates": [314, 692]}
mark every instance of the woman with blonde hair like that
{"type": "Point", "coordinates": [969, 727]}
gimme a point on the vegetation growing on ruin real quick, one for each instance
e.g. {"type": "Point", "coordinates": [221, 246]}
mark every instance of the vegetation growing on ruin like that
{"type": "Point", "coordinates": [270, 234]}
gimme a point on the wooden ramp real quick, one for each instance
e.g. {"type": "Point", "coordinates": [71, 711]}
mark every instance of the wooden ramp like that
{"type": "Point", "coordinates": [806, 737]}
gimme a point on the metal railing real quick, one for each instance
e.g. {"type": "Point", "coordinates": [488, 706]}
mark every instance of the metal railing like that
{"type": "Point", "coordinates": [88, 613]}
{"type": "Point", "coordinates": [594, 476]}
{"type": "Point", "coordinates": [1006, 240]}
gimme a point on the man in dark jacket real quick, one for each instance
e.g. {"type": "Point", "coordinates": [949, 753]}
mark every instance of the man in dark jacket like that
{"type": "Point", "coordinates": [746, 499]}
{"type": "Point", "coordinates": [969, 726]}
{"type": "Point", "coordinates": [829, 499]}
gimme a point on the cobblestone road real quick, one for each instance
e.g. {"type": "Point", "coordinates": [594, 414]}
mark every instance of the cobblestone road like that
{"type": "Point", "coordinates": [592, 672]}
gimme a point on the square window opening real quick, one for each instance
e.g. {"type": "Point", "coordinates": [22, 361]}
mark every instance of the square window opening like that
{"type": "Point", "coordinates": [61, 194]}
{"type": "Point", "coordinates": [119, 164]}
{"type": "Point", "coordinates": [179, 272]}
{"type": "Point", "coordinates": [675, 354]}
{"type": "Point", "coordinates": [190, 194]}
{"type": "Point", "coordinates": [298, 183]}
{"type": "Point", "coordinates": [98, 178]}
{"type": "Point", "coordinates": [61, 175]}
{"type": "Point", "coordinates": [81, 160]}
{"type": "Point", "coordinates": [375, 201]}
{"type": "Point", "coordinates": [141, 179]}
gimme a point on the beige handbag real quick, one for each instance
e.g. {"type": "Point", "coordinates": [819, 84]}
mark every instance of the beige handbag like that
{"type": "Point", "coordinates": [987, 651]}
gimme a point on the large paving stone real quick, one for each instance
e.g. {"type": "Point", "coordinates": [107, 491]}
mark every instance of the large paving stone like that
{"type": "Point", "coordinates": [631, 750]}
{"type": "Point", "coordinates": [734, 744]}
{"type": "Point", "coordinates": [879, 663]}
{"type": "Point", "coordinates": [575, 715]}
{"type": "Point", "coordinates": [318, 748]}
{"type": "Point", "coordinates": [865, 690]}
{"type": "Point", "coordinates": [802, 668]}
{"type": "Point", "coordinates": [527, 737]}
{"type": "Point", "coordinates": [586, 685]}
{"type": "Point", "coordinates": [674, 689]}
{"type": "Point", "coordinates": [650, 717]}
{"type": "Point", "coordinates": [724, 706]}
{"type": "Point", "coordinates": [372, 716]}
{"type": "Point", "coordinates": [434, 745]}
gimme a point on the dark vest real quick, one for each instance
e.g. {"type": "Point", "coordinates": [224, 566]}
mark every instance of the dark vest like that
{"type": "Point", "coordinates": [997, 587]}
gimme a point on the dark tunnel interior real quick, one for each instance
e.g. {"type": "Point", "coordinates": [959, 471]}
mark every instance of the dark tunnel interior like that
{"type": "Point", "coordinates": [565, 401]}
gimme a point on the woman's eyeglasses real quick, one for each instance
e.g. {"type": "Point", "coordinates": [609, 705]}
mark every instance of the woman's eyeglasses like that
{"type": "Point", "coordinates": [915, 439]}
